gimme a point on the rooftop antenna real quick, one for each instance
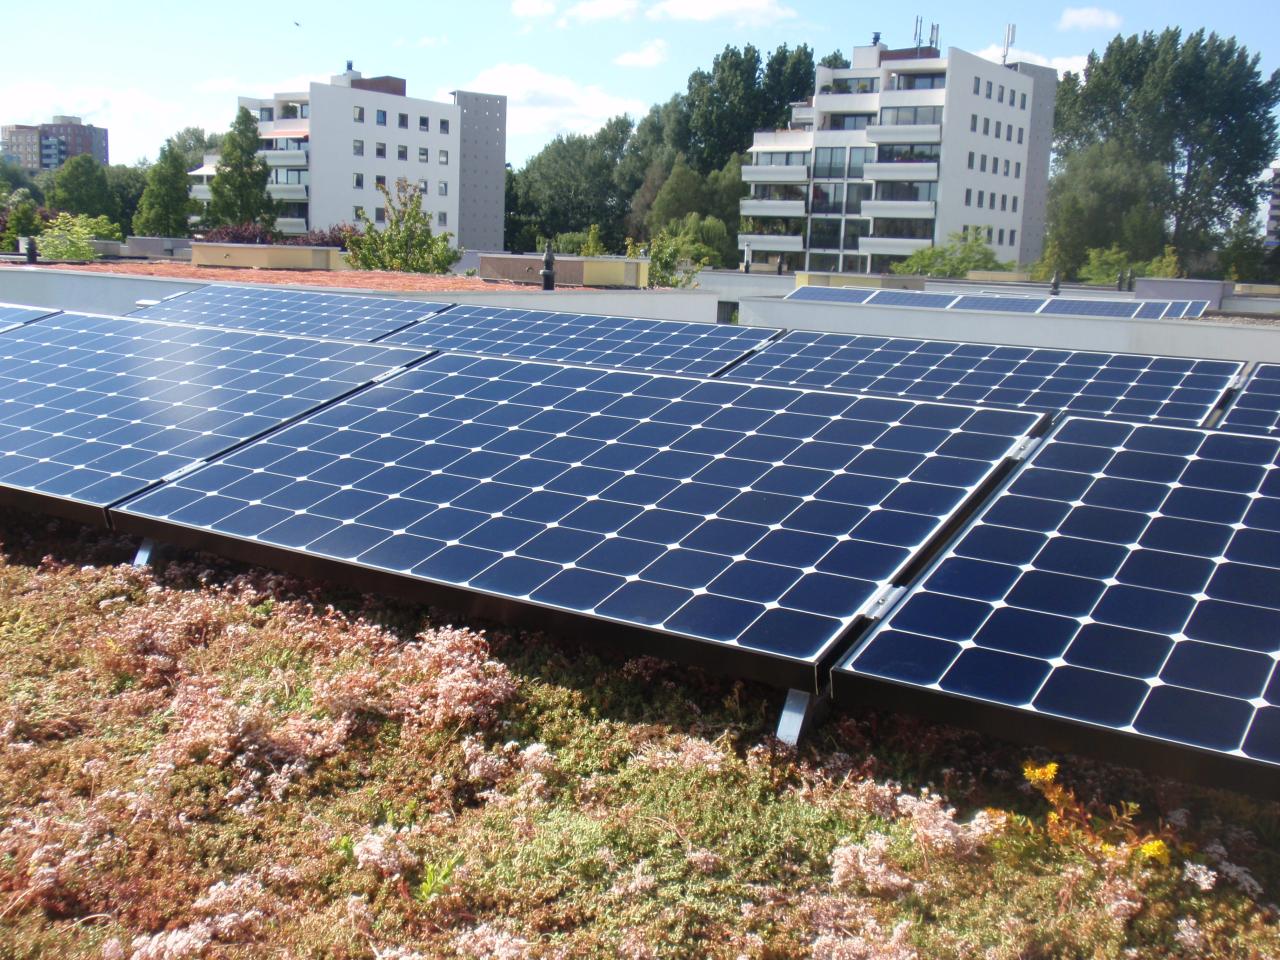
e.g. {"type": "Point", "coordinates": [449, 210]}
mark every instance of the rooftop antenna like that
{"type": "Point", "coordinates": [933, 36]}
{"type": "Point", "coordinates": [919, 33]}
{"type": "Point", "coordinates": [1010, 34]}
{"type": "Point", "coordinates": [875, 39]}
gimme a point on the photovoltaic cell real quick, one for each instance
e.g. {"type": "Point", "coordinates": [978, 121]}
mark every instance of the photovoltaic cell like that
{"type": "Point", "coordinates": [831, 294]}
{"type": "Point", "coordinates": [12, 313]}
{"type": "Point", "coordinates": [991, 303]}
{"type": "Point", "coordinates": [96, 408]}
{"type": "Point", "coordinates": [1090, 308]}
{"type": "Point", "coordinates": [998, 304]}
{"type": "Point", "coordinates": [1196, 308]}
{"type": "Point", "coordinates": [291, 312]}
{"type": "Point", "coordinates": [1153, 310]}
{"type": "Point", "coordinates": [665, 346]}
{"type": "Point", "coordinates": [911, 298]}
{"type": "Point", "coordinates": [1128, 578]}
{"type": "Point", "coordinates": [1257, 407]}
{"type": "Point", "coordinates": [1102, 384]}
{"type": "Point", "coordinates": [759, 518]}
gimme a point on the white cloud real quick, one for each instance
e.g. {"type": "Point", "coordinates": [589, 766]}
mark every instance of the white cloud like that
{"type": "Point", "coordinates": [532, 8]}
{"type": "Point", "coordinates": [754, 13]}
{"type": "Point", "coordinates": [589, 11]}
{"type": "Point", "coordinates": [1074, 64]}
{"type": "Point", "coordinates": [650, 55]}
{"type": "Point", "coordinates": [1088, 18]}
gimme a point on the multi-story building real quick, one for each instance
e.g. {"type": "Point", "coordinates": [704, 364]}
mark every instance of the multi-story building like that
{"type": "Point", "coordinates": [1273, 211]}
{"type": "Point", "coordinates": [47, 146]}
{"type": "Point", "coordinates": [330, 148]}
{"type": "Point", "coordinates": [899, 151]}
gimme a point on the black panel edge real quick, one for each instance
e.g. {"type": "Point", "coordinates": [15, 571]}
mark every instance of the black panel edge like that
{"type": "Point", "coordinates": [93, 515]}
{"type": "Point", "coordinates": [413, 323]}
{"type": "Point", "coordinates": [1164, 758]}
{"type": "Point", "coordinates": [720, 658]}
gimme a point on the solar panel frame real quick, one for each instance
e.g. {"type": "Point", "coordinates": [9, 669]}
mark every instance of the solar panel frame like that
{"type": "Point", "coordinates": [1093, 383]}
{"type": "Point", "coordinates": [1074, 578]}
{"type": "Point", "coordinates": [95, 408]}
{"type": "Point", "coordinates": [1256, 406]}
{"type": "Point", "coordinates": [623, 343]}
{"type": "Point", "coordinates": [658, 491]}
{"type": "Point", "coordinates": [291, 312]}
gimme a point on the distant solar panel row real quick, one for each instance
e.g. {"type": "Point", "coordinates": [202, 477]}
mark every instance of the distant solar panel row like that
{"type": "Point", "coordinates": [992, 303]}
{"type": "Point", "coordinates": [753, 517]}
{"type": "Point", "coordinates": [1256, 408]}
{"type": "Point", "coordinates": [291, 312]}
{"type": "Point", "coordinates": [1103, 384]}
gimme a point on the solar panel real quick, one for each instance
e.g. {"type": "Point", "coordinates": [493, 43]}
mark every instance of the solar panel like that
{"type": "Point", "coordinates": [289, 312]}
{"type": "Point", "coordinates": [1196, 308]}
{"type": "Point", "coordinates": [1102, 384]}
{"type": "Point", "coordinates": [831, 294]}
{"type": "Point", "coordinates": [1154, 310]}
{"type": "Point", "coordinates": [749, 519]}
{"type": "Point", "coordinates": [998, 304]}
{"type": "Point", "coordinates": [1127, 579]}
{"type": "Point", "coordinates": [1090, 308]}
{"type": "Point", "coordinates": [911, 298]}
{"type": "Point", "coordinates": [13, 313]}
{"type": "Point", "coordinates": [96, 408]}
{"type": "Point", "coordinates": [665, 346]}
{"type": "Point", "coordinates": [1256, 408]}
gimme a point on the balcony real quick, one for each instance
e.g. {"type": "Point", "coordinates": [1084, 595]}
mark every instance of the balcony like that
{"type": "Point", "coordinates": [915, 209]}
{"type": "Point", "coordinates": [767, 173]}
{"type": "Point", "coordinates": [288, 191]}
{"type": "Point", "coordinates": [770, 242]}
{"type": "Point", "coordinates": [291, 226]}
{"type": "Point", "coordinates": [275, 129]}
{"type": "Point", "coordinates": [905, 133]}
{"type": "Point", "coordinates": [846, 103]}
{"type": "Point", "coordinates": [770, 208]}
{"type": "Point", "coordinates": [284, 158]}
{"type": "Point", "coordinates": [899, 171]}
{"type": "Point", "coordinates": [891, 245]}
{"type": "Point", "coordinates": [803, 115]}
{"type": "Point", "coordinates": [201, 192]}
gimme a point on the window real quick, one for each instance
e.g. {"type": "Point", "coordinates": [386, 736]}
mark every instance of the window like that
{"type": "Point", "coordinates": [1013, 237]}
{"type": "Point", "coordinates": [856, 85]}
{"type": "Point", "coordinates": [424, 155]}
{"type": "Point", "coordinates": [1004, 202]}
{"type": "Point", "coordinates": [968, 196]}
{"type": "Point", "coordinates": [1015, 206]}
{"type": "Point", "coordinates": [977, 86]}
{"type": "Point", "coordinates": [997, 129]}
{"type": "Point", "coordinates": [442, 218]}
{"type": "Point", "coordinates": [443, 158]}
{"type": "Point", "coordinates": [1023, 102]}
{"type": "Point", "coordinates": [910, 115]}
{"type": "Point", "coordinates": [379, 181]}
{"type": "Point", "coordinates": [422, 186]}
{"type": "Point", "coordinates": [852, 121]}
{"type": "Point", "coordinates": [1019, 134]}
{"type": "Point", "coordinates": [909, 152]}
{"type": "Point", "coordinates": [358, 181]}
{"type": "Point", "coordinates": [357, 148]}
{"type": "Point", "coordinates": [1006, 167]}
{"type": "Point", "coordinates": [358, 211]}
{"type": "Point", "coordinates": [380, 118]}
{"type": "Point", "coordinates": [266, 114]}
{"type": "Point", "coordinates": [1001, 236]}
{"type": "Point", "coordinates": [444, 126]}
{"type": "Point", "coordinates": [827, 198]}
{"type": "Point", "coordinates": [380, 150]}
{"type": "Point", "coordinates": [1017, 170]}
{"type": "Point", "coordinates": [973, 123]}
{"type": "Point", "coordinates": [858, 158]}
{"type": "Point", "coordinates": [824, 234]}
{"type": "Point", "coordinates": [1000, 99]}
{"type": "Point", "coordinates": [402, 121]}
{"type": "Point", "coordinates": [402, 152]}
{"type": "Point", "coordinates": [981, 197]}
{"type": "Point", "coordinates": [988, 89]}
{"type": "Point", "coordinates": [854, 196]}
{"type": "Point", "coordinates": [444, 188]}
{"type": "Point", "coordinates": [990, 232]}
{"type": "Point", "coordinates": [907, 190]}
{"type": "Point", "coordinates": [853, 229]}
{"type": "Point", "coordinates": [921, 81]}
{"type": "Point", "coordinates": [380, 214]}
{"type": "Point", "coordinates": [904, 228]}
{"type": "Point", "coordinates": [828, 162]}
{"type": "Point", "coordinates": [983, 163]}
{"type": "Point", "coordinates": [357, 114]}
{"type": "Point", "coordinates": [424, 124]}
{"type": "Point", "coordinates": [1008, 132]}
{"type": "Point", "coordinates": [986, 126]}
{"type": "Point", "coordinates": [970, 159]}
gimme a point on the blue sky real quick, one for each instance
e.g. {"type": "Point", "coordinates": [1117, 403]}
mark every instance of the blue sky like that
{"type": "Point", "coordinates": [565, 65]}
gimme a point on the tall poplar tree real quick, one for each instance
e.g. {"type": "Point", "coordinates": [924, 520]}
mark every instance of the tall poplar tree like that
{"type": "Point", "coordinates": [165, 205]}
{"type": "Point", "coordinates": [239, 188]}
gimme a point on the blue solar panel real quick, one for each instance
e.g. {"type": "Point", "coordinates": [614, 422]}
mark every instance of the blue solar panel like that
{"type": "Point", "coordinates": [95, 408]}
{"type": "Point", "coordinates": [998, 304]}
{"type": "Point", "coordinates": [1257, 407]}
{"type": "Point", "coordinates": [1196, 308]}
{"type": "Point", "coordinates": [1102, 384]}
{"type": "Point", "coordinates": [831, 294]}
{"type": "Point", "coordinates": [1128, 578]}
{"type": "Point", "coordinates": [665, 346]}
{"type": "Point", "coordinates": [755, 518]}
{"type": "Point", "coordinates": [1091, 308]}
{"type": "Point", "coordinates": [289, 312]}
{"type": "Point", "coordinates": [1154, 310]}
{"type": "Point", "coordinates": [13, 313]}
{"type": "Point", "coordinates": [911, 298]}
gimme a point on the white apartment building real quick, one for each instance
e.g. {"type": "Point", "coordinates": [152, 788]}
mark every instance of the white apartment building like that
{"type": "Point", "coordinates": [1273, 211]}
{"type": "Point", "coordinates": [898, 152]}
{"type": "Point", "coordinates": [330, 148]}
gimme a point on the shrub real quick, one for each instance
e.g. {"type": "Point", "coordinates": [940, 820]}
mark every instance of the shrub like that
{"type": "Point", "coordinates": [406, 243]}
{"type": "Point", "coordinates": [239, 233]}
{"type": "Point", "coordinates": [68, 237]}
{"type": "Point", "coordinates": [335, 236]}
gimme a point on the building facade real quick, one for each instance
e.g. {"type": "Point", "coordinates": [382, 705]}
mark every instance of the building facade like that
{"type": "Point", "coordinates": [1273, 211]}
{"type": "Point", "coordinates": [47, 146]}
{"type": "Point", "coordinates": [330, 149]}
{"type": "Point", "coordinates": [900, 151]}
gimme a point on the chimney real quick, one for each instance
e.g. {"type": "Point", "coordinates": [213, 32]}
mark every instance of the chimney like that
{"type": "Point", "coordinates": [348, 66]}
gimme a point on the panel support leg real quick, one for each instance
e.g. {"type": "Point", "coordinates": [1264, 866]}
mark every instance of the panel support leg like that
{"type": "Point", "coordinates": [147, 553]}
{"type": "Point", "coordinates": [798, 713]}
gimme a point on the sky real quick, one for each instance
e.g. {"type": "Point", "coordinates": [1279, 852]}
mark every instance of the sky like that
{"type": "Point", "coordinates": [565, 66]}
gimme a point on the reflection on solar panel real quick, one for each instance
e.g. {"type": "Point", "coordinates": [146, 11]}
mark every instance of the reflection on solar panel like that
{"type": "Point", "coordinates": [664, 346]}
{"type": "Point", "coordinates": [831, 294]}
{"type": "Point", "coordinates": [1103, 384]}
{"type": "Point", "coordinates": [12, 313]}
{"type": "Point", "coordinates": [1091, 308]}
{"type": "Point", "coordinates": [94, 408]}
{"type": "Point", "coordinates": [1128, 578]}
{"type": "Point", "coordinates": [1257, 407]}
{"type": "Point", "coordinates": [284, 311]}
{"type": "Point", "coordinates": [751, 518]}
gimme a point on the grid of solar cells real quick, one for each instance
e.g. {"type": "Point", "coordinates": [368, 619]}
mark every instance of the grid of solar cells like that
{"type": "Point", "coordinates": [831, 294]}
{"type": "Point", "coordinates": [753, 516]}
{"type": "Point", "coordinates": [992, 304]}
{"type": "Point", "coordinates": [1090, 308]}
{"type": "Point", "coordinates": [1195, 308]}
{"type": "Point", "coordinates": [1257, 407]}
{"type": "Point", "coordinates": [95, 408]}
{"type": "Point", "coordinates": [665, 346]}
{"type": "Point", "coordinates": [911, 298]}
{"type": "Point", "coordinates": [1154, 310]}
{"type": "Point", "coordinates": [1103, 384]}
{"type": "Point", "coordinates": [1128, 578]}
{"type": "Point", "coordinates": [11, 313]}
{"type": "Point", "coordinates": [289, 312]}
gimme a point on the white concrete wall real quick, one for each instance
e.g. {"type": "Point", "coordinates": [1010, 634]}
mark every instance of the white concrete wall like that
{"type": "Point", "coordinates": [482, 188]}
{"type": "Point", "coordinates": [1040, 146]}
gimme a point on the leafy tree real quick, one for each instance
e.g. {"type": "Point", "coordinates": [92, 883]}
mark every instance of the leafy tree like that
{"type": "Point", "coordinates": [1104, 265]}
{"type": "Point", "coordinates": [668, 266]}
{"type": "Point", "coordinates": [126, 185]}
{"type": "Point", "coordinates": [68, 237]}
{"type": "Point", "coordinates": [570, 243]}
{"type": "Point", "coordinates": [1243, 256]}
{"type": "Point", "coordinates": [406, 244]}
{"type": "Point", "coordinates": [954, 259]}
{"type": "Point", "coordinates": [238, 191]}
{"type": "Point", "coordinates": [1198, 105]}
{"type": "Point", "coordinates": [592, 246]}
{"type": "Point", "coordinates": [165, 206]}
{"type": "Point", "coordinates": [787, 78]}
{"type": "Point", "coordinates": [1165, 265]}
{"type": "Point", "coordinates": [725, 105]}
{"type": "Point", "coordinates": [80, 186]}
{"type": "Point", "coordinates": [836, 60]}
{"type": "Point", "coordinates": [23, 221]}
{"type": "Point", "coordinates": [193, 143]}
{"type": "Point", "coordinates": [725, 189]}
{"type": "Point", "coordinates": [642, 201]}
{"type": "Point", "coordinates": [13, 178]}
{"type": "Point", "coordinates": [705, 240]}
{"type": "Point", "coordinates": [683, 192]}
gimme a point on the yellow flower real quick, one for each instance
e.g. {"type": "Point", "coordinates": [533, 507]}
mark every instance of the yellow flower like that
{"type": "Point", "coordinates": [1040, 776]}
{"type": "Point", "coordinates": [1155, 850]}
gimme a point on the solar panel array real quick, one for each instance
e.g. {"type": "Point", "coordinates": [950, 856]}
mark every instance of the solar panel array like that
{"type": "Point", "coordinates": [93, 409]}
{"type": "Point", "coordinates": [995, 303]}
{"type": "Point", "coordinates": [750, 516]}
{"type": "Point", "coordinates": [12, 314]}
{"type": "Point", "coordinates": [1256, 408]}
{"type": "Point", "coordinates": [665, 346]}
{"type": "Point", "coordinates": [1128, 578]}
{"type": "Point", "coordinates": [1134, 386]}
{"type": "Point", "coordinates": [291, 312]}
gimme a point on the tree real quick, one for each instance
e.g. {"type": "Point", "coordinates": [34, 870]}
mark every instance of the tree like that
{"type": "Point", "coordinates": [1243, 256]}
{"type": "Point", "coordinates": [725, 106]}
{"type": "Point", "coordinates": [165, 207]}
{"type": "Point", "coordinates": [836, 60]}
{"type": "Point", "coordinates": [238, 191]}
{"type": "Point", "coordinates": [80, 186]}
{"type": "Point", "coordinates": [68, 237]}
{"type": "Point", "coordinates": [126, 185]}
{"type": "Point", "coordinates": [954, 259]}
{"type": "Point", "coordinates": [592, 246]}
{"type": "Point", "coordinates": [1198, 106]}
{"type": "Point", "coordinates": [406, 244]}
{"type": "Point", "coordinates": [193, 143]}
{"type": "Point", "coordinates": [683, 192]}
{"type": "Point", "coordinates": [787, 78]}
{"type": "Point", "coordinates": [14, 178]}
{"type": "Point", "coordinates": [23, 221]}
